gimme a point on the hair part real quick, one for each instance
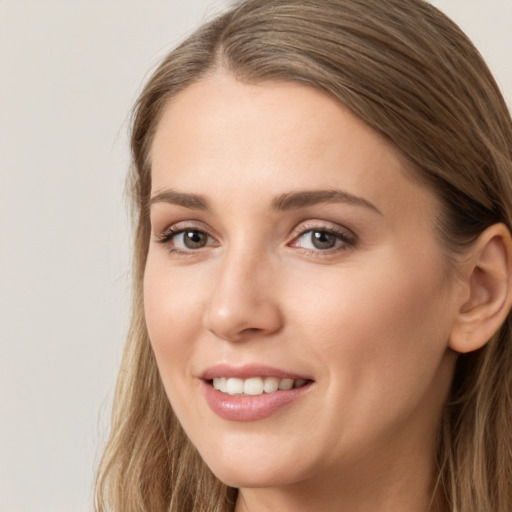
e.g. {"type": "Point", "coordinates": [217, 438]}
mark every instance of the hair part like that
{"type": "Point", "coordinates": [412, 75]}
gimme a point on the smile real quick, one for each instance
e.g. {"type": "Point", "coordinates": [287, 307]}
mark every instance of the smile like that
{"type": "Point", "coordinates": [252, 398]}
{"type": "Point", "coordinates": [254, 386]}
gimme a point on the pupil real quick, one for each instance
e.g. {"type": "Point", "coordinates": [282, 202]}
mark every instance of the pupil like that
{"type": "Point", "coordinates": [194, 239]}
{"type": "Point", "coordinates": [323, 240]}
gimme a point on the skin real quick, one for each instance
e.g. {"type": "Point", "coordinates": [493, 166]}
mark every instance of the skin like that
{"type": "Point", "coordinates": [369, 320]}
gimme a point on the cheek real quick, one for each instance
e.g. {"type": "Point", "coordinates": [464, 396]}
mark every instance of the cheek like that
{"type": "Point", "coordinates": [172, 306]}
{"type": "Point", "coordinates": [380, 330]}
{"type": "Point", "coordinates": [387, 298]}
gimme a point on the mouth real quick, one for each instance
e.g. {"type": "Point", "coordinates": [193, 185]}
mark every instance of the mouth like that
{"type": "Point", "coordinates": [252, 392]}
{"type": "Point", "coordinates": [254, 386]}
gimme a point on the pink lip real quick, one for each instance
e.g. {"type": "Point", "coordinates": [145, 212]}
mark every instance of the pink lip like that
{"type": "Point", "coordinates": [249, 408]}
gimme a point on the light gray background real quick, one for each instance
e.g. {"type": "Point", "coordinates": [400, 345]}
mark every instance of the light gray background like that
{"type": "Point", "coordinates": [70, 71]}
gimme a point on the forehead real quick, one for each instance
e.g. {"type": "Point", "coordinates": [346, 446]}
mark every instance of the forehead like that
{"type": "Point", "coordinates": [223, 136]}
{"type": "Point", "coordinates": [288, 117]}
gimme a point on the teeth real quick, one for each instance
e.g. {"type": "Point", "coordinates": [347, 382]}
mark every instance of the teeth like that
{"type": "Point", "coordinates": [286, 384]}
{"type": "Point", "coordinates": [234, 386]}
{"type": "Point", "coordinates": [255, 385]}
{"type": "Point", "coordinates": [271, 384]}
{"type": "Point", "coordinates": [220, 384]}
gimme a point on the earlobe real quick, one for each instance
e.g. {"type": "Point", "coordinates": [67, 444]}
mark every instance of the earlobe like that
{"type": "Point", "coordinates": [488, 280]}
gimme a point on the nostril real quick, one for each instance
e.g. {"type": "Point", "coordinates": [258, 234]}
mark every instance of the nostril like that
{"type": "Point", "coordinates": [235, 316]}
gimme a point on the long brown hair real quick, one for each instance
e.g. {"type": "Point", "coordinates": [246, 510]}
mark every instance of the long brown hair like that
{"type": "Point", "coordinates": [411, 74]}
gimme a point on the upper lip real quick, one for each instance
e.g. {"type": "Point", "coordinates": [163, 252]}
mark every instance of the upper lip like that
{"type": "Point", "coordinates": [249, 370]}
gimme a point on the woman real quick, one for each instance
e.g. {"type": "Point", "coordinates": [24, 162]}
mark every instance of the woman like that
{"type": "Point", "coordinates": [322, 269]}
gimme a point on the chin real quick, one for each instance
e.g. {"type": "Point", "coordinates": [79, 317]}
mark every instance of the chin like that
{"type": "Point", "coordinates": [251, 477]}
{"type": "Point", "coordinates": [257, 470]}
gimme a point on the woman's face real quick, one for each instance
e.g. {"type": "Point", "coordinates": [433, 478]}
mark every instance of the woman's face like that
{"type": "Point", "coordinates": [290, 248]}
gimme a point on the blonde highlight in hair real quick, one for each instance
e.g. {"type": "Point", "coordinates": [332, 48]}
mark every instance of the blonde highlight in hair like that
{"type": "Point", "coordinates": [411, 74]}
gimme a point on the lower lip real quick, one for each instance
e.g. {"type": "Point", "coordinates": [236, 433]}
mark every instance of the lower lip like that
{"type": "Point", "coordinates": [249, 408]}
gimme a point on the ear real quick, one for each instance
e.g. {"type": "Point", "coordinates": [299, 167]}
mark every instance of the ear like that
{"type": "Point", "coordinates": [487, 275]}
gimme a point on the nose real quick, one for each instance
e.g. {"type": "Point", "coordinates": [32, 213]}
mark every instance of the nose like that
{"type": "Point", "coordinates": [244, 299]}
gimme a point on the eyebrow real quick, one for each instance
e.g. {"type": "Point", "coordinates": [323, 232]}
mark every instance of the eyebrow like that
{"type": "Point", "coordinates": [283, 202]}
{"type": "Point", "coordinates": [191, 201]}
{"type": "Point", "coordinates": [302, 199]}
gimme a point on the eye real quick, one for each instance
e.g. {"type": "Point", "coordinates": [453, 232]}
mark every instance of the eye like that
{"type": "Point", "coordinates": [185, 240]}
{"type": "Point", "coordinates": [324, 240]}
{"type": "Point", "coordinates": [318, 240]}
{"type": "Point", "coordinates": [191, 239]}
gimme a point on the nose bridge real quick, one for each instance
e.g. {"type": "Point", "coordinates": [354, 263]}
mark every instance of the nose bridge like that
{"type": "Point", "coordinates": [243, 299]}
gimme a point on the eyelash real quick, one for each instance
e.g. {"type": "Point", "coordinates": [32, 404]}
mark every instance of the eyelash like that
{"type": "Point", "coordinates": [169, 234]}
{"type": "Point", "coordinates": [347, 240]}
{"type": "Point", "coordinates": [344, 240]}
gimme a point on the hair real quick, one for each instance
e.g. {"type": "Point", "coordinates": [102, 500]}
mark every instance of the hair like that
{"type": "Point", "coordinates": [410, 73]}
